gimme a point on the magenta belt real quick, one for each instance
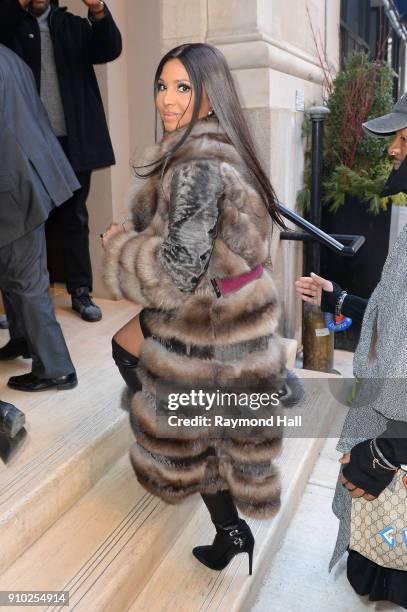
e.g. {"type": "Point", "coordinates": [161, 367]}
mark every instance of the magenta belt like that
{"type": "Point", "coordinates": [223, 286]}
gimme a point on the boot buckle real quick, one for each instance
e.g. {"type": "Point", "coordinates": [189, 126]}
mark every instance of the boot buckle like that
{"type": "Point", "coordinates": [237, 541]}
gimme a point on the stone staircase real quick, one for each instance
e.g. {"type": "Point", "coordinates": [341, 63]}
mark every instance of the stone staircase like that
{"type": "Point", "coordinates": [73, 517]}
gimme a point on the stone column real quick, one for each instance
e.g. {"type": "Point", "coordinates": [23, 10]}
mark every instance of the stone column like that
{"type": "Point", "coordinates": [182, 21]}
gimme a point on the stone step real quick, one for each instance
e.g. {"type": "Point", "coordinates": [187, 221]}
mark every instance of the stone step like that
{"type": "Point", "coordinates": [104, 549]}
{"type": "Point", "coordinates": [193, 587]}
{"type": "Point", "coordinates": [74, 437]}
{"type": "Point", "coordinates": [124, 549]}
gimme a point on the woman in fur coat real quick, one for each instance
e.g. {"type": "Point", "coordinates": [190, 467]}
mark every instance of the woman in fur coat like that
{"type": "Point", "coordinates": [202, 216]}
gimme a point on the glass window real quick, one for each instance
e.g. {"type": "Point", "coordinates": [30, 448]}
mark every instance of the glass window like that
{"type": "Point", "coordinates": [366, 27]}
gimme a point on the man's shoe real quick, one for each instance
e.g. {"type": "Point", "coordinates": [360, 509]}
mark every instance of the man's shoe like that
{"type": "Point", "coordinates": [82, 303]}
{"type": "Point", "coordinates": [11, 419]}
{"type": "Point", "coordinates": [14, 349]}
{"type": "Point", "coordinates": [9, 447]}
{"type": "Point", "coordinates": [29, 382]}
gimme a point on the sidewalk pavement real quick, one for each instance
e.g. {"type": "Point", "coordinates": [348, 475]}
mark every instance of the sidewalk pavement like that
{"type": "Point", "coordinates": [298, 578]}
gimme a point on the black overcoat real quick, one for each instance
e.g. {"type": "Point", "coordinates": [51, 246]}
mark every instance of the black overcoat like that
{"type": "Point", "coordinates": [78, 45]}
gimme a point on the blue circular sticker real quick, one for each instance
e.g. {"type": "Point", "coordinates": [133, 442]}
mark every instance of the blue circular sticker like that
{"type": "Point", "coordinates": [337, 324]}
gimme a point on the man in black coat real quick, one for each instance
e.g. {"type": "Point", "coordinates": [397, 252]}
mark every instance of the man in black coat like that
{"type": "Point", "coordinates": [61, 49]}
{"type": "Point", "coordinates": [35, 177]}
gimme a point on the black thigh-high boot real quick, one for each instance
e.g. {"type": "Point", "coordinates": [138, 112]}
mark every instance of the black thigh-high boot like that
{"type": "Point", "coordinates": [233, 534]}
{"type": "Point", "coordinates": [221, 508]}
{"type": "Point", "coordinates": [127, 364]}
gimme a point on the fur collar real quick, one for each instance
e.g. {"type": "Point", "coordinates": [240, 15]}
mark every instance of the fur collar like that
{"type": "Point", "coordinates": [207, 125]}
{"type": "Point", "coordinates": [203, 127]}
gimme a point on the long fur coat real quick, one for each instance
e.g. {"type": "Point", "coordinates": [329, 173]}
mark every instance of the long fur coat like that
{"type": "Point", "coordinates": [202, 220]}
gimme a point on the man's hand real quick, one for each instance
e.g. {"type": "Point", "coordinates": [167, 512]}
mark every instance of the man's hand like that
{"type": "Point", "coordinates": [95, 6]}
{"type": "Point", "coordinates": [351, 488]}
{"type": "Point", "coordinates": [310, 288]}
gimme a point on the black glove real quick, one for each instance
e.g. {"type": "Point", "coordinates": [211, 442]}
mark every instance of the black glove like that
{"type": "Point", "coordinates": [360, 471]}
{"type": "Point", "coordinates": [329, 298]}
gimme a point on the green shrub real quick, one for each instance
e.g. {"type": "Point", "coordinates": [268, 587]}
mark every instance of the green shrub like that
{"type": "Point", "coordinates": [355, 163]}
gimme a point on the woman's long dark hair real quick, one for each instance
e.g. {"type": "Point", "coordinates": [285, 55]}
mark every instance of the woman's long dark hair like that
{"type": "Point", "coordinates": [206, 66]}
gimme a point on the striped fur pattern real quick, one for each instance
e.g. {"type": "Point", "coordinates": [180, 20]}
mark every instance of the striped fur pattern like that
{"type": "Point", "coordinates": [202, 220]}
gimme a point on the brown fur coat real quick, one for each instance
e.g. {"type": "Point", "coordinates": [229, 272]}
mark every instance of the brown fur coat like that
{"type": "Point", "coordinates": [203, 220]}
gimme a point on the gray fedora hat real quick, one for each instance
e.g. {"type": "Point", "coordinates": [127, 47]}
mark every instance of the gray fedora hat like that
{"type": "Point", "coordinates": [390, 123]}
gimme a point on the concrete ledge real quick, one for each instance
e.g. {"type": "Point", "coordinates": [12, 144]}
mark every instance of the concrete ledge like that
{"type": "Point", "coordinates": [260, 51]}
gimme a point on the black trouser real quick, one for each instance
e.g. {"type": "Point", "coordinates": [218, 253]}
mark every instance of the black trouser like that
{"type": "Point", "coordinates": [24, 282]}
{"type": "Point", "coordinates": [73, 219]}
{"type": "Point", "coordinates": [220, 505]}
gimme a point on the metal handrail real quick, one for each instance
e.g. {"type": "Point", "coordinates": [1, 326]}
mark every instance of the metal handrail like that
{"type": "Point", "coordinates": [312, 232]}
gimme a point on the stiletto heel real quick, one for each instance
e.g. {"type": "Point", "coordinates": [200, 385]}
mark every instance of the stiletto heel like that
{"type": "Point", "coordinates": [250, 553]}
{"type": "Point", "coordinates": [228, 542]}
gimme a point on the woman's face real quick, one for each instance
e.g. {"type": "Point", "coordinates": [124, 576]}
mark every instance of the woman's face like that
{"type": "Point", "coordinates": [175, 97]}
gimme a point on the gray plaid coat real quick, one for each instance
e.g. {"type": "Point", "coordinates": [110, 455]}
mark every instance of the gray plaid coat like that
{"type": "Point", "coordinates": [380, 364]}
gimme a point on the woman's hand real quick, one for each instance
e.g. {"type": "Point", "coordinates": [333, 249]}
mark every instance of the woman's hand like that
{"type": "Point", "coordinates": [112, 230]}
{"type": "Point", "coordinates": [309, 288]}
{"type": "Point", "coordinates": [353, 490]}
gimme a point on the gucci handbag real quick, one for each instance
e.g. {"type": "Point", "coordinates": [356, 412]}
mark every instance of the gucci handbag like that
{"type": "Point", "coordinates": [379, 527]}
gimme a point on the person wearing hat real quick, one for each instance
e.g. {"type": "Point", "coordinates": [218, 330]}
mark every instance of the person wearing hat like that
{"type": "Point", "coordinates": [393, 124]}
{"type": "Point", "coordinates": [374, 436]}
